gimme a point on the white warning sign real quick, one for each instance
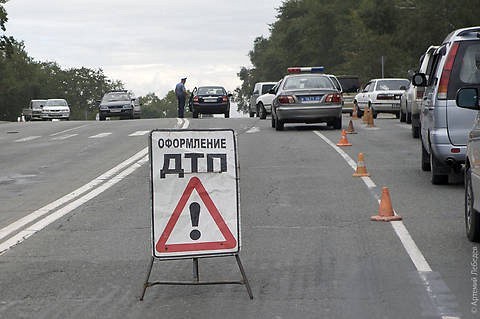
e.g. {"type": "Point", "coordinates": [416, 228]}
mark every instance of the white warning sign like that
{"type": "Point", "coordinates": [194, 193]}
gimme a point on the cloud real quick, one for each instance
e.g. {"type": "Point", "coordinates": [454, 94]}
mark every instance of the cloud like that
{"type": "Point", "coordinates": [147, 44]}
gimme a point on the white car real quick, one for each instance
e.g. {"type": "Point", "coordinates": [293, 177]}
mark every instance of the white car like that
{"type": "Point", "coordinates": [381, 96]}
{"type": "Point", "coordinates": [264, 103]}
{"type": "Point", "coordinates": [259, 89]}
{"type": "Point", "coordinates": [56, 109]}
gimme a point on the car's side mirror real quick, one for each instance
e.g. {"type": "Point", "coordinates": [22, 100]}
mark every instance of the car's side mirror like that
{"type": "Point", "coordinates": [229, 94]}
{"type": "Point", "coordinates": [403, 87]}
{"type": "Point", "coordinates": [271, 91]}
{"type": "Point", "coordinates": [419, 79]}
{"type": "Point", "coordinates": [467, 98]}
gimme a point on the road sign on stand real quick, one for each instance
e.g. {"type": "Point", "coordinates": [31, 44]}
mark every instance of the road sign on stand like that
{"type": "Point", "coordinates": [195, 198]}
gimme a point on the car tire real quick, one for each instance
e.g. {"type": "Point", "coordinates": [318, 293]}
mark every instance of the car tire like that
{"type": "Point", "coordinates": [273, 122]}
{"type": "Point", "coordinates": [359, 112]}
{"type": "Point", "coordinates": [472, 218]}
{"type": "Point", "coordinates": [415, 131]}
{"type": "Point", "coordinates": [409, 118]}
{"type": "Point", "coordinates": [425, 159]}
{"type": "Point", "coordinates": [195, 114]}
{"type": "Point", "coordinates": [397, 115]}
{"type": "Point", "coordinates": [436, 178]}
{"type": "Point", "coordinates": [403, 116]}
{"type": "Point", "coordinates": [101, 118]}
{"type": "Point", "coordinates": [252, 114]}
{"type": "Point", "coordinates": [279, 125]}
{"type": "Point", "coordinates": [227, 114]}
{"type": "Point", "coordinates": [262, 113]}
{"type": "Point", "coordinates": [337, 123]}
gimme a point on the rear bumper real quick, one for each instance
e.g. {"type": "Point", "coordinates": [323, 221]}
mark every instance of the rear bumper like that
{"type": "Point", "coordinates": [211, 108]}
{"type": "Point", "coordinates": [393, 107]}
{"type": "Point", "coordinates": [308, 114]}
{"type": "Point", "coordinates": [116, 112]}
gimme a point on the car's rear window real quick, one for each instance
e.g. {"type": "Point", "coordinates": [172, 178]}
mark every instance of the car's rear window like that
{"type": "Point", "coordinates": [466, 68]}
{"type": "Point", "coordinates": [56, 103]}
{"type": "Point", "coordinates": [266, 88]}
{"type": "Point", "coordinates": [349, 84]}
{"type": "Point", "coordinates": [211, 90]}
{"type": "Point", "coordinates": [308, 82]}
{"type": "Point", "coordinates": [115, 96]}
{"type": "Point", "coordinates": [390, 85]}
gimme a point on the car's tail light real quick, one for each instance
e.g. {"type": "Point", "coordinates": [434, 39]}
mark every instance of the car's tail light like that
{"type": "Point", "coordinates": [447, 69]}
{"type": "Point", "coordinates": [420, 92]}
{"type": "Point", "coordinates": [333, 98]}
{"type": "Point", "coordinates": [383, 96]}
{"type": "Point", "coordinates": [195, 99]}
{"type": "Point", "coordinates": [224, 98]}
{"type": "Point", "coordinates": [286, 99]}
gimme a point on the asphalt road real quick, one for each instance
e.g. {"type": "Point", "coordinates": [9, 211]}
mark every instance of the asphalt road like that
{"type": "Point", "coordinates": [308, 246]}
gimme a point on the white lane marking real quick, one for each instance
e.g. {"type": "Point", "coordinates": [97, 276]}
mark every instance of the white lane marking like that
{"type": "Point", "coordinates": [24, 234]}
{"type": "Point", "coordinates": [253, 130]}
{"type": "Point", "coordinates": [139, 133]}
{"type": "Point", "coordinates": [28, 138]}
{"type": "Point", "coordinates": [70, 129]}
{"type": "Point", "coordinates": [63, 137]}
{"type": "Point", "coordinates": [186, 123]}
{"type": "Point", "coordinates": [407, 126]}
{"type": "Point", "coordinates": [100, 135]}
{"type": "Point", "coordinates": [407, 241]}
{"type": "Point", "coordinates": [65, 199]}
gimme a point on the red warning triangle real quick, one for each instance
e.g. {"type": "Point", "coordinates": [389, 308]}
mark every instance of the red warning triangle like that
{"type": "Point", "coordinates": [228, 243]}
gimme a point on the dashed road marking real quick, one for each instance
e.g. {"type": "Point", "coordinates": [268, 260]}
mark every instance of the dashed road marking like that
{"type": "Point", "coordinates": [139, 133]}
{"type": "Point", "coordinates": [253, 130]}
{"type": "Point", "coordinates": [63, 137]}
{"type": "Point", "coordinates": [28, 138]}
{"type": "Point", "coordinates": [101, 135]}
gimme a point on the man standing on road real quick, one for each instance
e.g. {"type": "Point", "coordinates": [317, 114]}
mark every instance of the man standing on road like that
{"type": "Point", "coordinates": [181, 93]}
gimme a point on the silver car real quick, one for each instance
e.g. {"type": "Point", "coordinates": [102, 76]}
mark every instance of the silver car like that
{"type": "Point", "coordinates": [445, 126]}
{"type": "Point", "coordinates": [306, 98]}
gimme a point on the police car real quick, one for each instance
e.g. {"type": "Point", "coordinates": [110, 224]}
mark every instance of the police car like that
{"type": "Point", "coordinates": [306, 95]}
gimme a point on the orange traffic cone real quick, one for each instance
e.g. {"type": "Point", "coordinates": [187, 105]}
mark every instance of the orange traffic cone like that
{"type": "Point", "coordinates": [385, 211]}
{"type": "Point", "coordinates": [343, 140]}
{"type": "Point", "coordinates": [365, 115]}
{"type": "Point", "coordinates": [350, 129]}
{"type": "Point", "coordinates": [370, 122]}
{"type": "Point", "coordinates": [361, 168]}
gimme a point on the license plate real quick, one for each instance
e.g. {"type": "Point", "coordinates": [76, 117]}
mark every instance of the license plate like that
{"type": "Point", "coordinates": [310, 99]}
{"type": "Point", "coordinates": [210, 100]}
{"type": "Point", "coordinates": [115, 110]}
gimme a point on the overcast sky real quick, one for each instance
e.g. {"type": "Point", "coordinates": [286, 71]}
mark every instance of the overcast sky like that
{"type": "Point", "coordinates": [147, 44]}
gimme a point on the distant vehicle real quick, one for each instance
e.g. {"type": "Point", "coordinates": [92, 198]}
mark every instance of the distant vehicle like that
{"type": "Point", "coordinates": [34, 110]}
{"type": "Point", "coordinates": [210, 100]}
{"type": "Point", "coordinates": [412, 99]}
{"type": "Point", "coordinates": [381, 96]}
{"type": "Point", "coordinates": [350, 86]}
{"type": "Point", "coordinates": [264, 103]}
{"type": "Point", "coordinates": [119, 103]}
{"type": "Point", "coordinates": [56, 109]}
{"type": "Point", "coordinates": [445, 126]}
{"type": "Point", "coordinates": [260, 88]}
{"type": "Point", "coordinates": [306, 96]}
{"type": "Point", "coordinates": [468, 98]}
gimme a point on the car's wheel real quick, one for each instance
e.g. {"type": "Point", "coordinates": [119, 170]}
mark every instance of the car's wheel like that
{"type": "Point", "coordinates": [262, 113]}
{"type": "Point", "coordinates": [359, 112]}
{"type": "Point", "coordinates": [415, 131]}
{"type": "Point", "coordinates": [278, 125]}
{"type": "Point", "coordinates": [227, 114]}
{"type": "Point", "coordinates": [403, 116]}
{"type": "Point", "coordinates": [101, 117]}
{"type": "Point", "coordinates": [195, 114]}
{"type": "Point", "coordinates": [425, 159]}
{"type": "Point", "coordinates": [472, 219]}
{"type": "Point", "coordinates": [337, 124]}
{"type": "Point", "coordinates": [409, 118]}
{"type": "Point", "coordinates": [397, 115]}
{"type": "Point", "coordinates": [435, 166]}
{"type": "Point", "coordinates": [251, 113]}
{"type": "Point", "coordinates": [273, 121]}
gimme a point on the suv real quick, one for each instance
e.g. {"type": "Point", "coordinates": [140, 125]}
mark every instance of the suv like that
{"type": "Point", "coordinates": [445, 126]}
{"type": "Point", "coordinates": [34, 110]}
{"type": "Point", "coordinates": [121, 103]}
{"type": "Point", "coordinates": [350, 86]}
{"type": "Point", "coordinates": [260, 88]}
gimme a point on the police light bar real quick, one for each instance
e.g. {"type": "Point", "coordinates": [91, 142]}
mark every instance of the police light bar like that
{"type": "Point", "coordinates": [315, 69]}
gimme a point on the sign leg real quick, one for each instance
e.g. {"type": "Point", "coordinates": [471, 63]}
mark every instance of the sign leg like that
{"type": "Point", "coordinates": [196, 275]}
{"type": "Point", "coordinates": [145, 285]}
{"type": "Point", "coordinates": [244, 276]}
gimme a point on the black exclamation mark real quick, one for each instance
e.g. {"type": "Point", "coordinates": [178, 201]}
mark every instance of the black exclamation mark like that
{"type": "Point", "coordinates": [195, 216]}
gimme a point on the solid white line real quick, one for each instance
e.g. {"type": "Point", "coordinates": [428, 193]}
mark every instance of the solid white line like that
{"type": "Point", "coordinates": [28, 138]}
{"type": "Point", "coordinates": [21, 236]}
{"type": "Point", "coordinates": [101, 135]}
{"type": "Point", "coordinates": [407, 241]}
{"type": "Point", "coordinates": [22, 222]}
{"type": "Point", "coordinates": [139, 133]}
{"type": "Point", "coordinates": [70, 129]}
{"type": "Point", "coordinates": [63, 137]}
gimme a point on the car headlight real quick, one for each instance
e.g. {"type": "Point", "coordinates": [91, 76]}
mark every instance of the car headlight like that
{"type": "Point", "coordinates": [103, 107]}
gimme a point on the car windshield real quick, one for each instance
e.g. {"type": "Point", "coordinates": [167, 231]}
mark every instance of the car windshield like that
{"type": "Point", "coordinates": [308, 82]}
{"type": "Point", "coordinates": [389, 85]}
{"type": "Point", "coordinates": [56, 103]}
{"type": "Point", "coordinates": [267, 87]}
{"type": "Point", "coordinates": [115, 96]}
{"type": "Point", "coordinates": [211, 90]}
{"type": "Point", "coordinates": [37, 104]}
